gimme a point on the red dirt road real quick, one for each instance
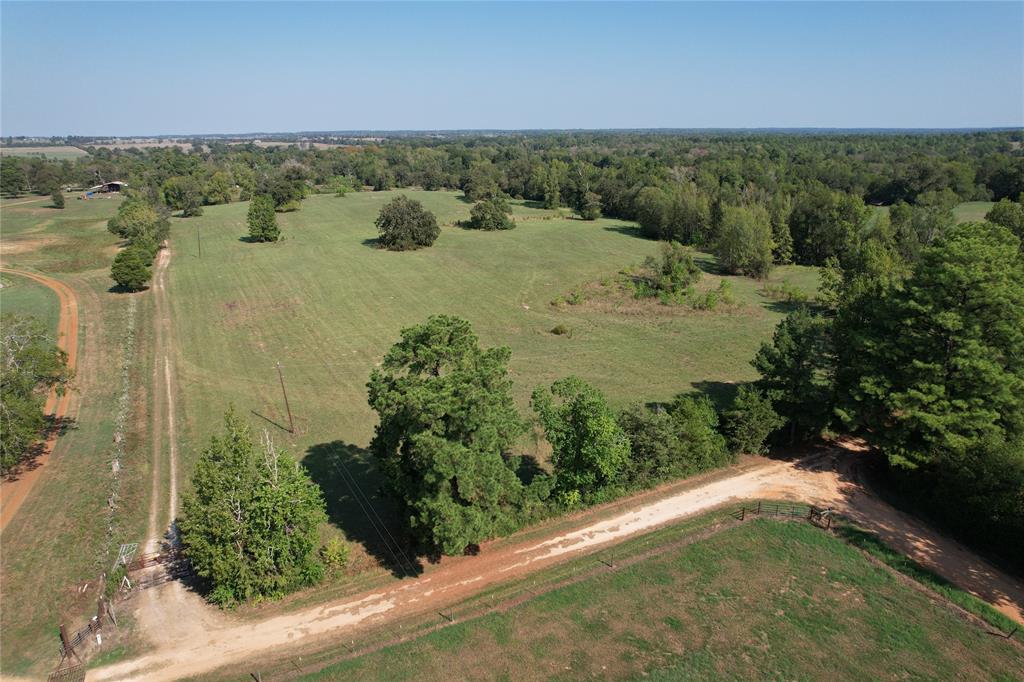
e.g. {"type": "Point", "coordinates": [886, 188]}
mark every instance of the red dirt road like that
{"type": "Point", "coordinates": [190, 638]}
{"type": "Point", "coordinates": [13, 491]}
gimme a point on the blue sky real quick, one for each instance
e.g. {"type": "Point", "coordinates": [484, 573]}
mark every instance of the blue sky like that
{"type": "Point", "coordinates": [179, 68]}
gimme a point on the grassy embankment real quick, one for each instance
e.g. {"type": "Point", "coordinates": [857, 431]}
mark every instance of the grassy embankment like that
{"type": "Point", "coordinates": [764, 599]}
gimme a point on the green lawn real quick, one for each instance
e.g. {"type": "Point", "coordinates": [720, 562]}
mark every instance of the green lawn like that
{"type": "Point", "coordinates": [971, 211]}
{"type": "Point", "coordinates": [764, 600]}
{"type": "Point", "coordinates": [22, 296]}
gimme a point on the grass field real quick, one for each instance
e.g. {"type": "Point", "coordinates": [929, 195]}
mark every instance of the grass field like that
{"type": "Point", "coordinates": [58, 153]}
{"type": "Point", "coordinates": [65, 532]}
{"type": "Point", "coordinates": [22, 296]}
{"type": "Point", "coordinates": [764, 600]}
{"type": "Point", "coordinates": [328, 304]}
{"type": "Point", "coordinates": [970, 211]}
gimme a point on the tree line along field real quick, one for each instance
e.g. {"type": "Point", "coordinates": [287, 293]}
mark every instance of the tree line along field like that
{"type": "Point", "coordinates": [763, 600]}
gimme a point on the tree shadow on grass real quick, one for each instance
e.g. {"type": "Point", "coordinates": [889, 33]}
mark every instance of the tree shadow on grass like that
{"type": "Point", "coordinates": [629, 231]}
{"type": "Point", "coordinates": [30, 459]}
{"type": "Point", "coordinates": [351, 485]}
{"type": "Point", "coordinates": [372, 242]}
{"type": "Point", "coordinates": [722, 393]}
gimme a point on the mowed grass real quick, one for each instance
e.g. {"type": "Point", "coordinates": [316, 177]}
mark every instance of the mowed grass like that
{"type": "Point", "coordinates": [764, 600]}
{"type": "Point", "coordinates": [971, 211]}
{"type": "Point", "coordinates": [66, 533]}
{"type": "Point", "coordinates": [328, 304]}
{"type": "Point", "coordinates": [22, 296]}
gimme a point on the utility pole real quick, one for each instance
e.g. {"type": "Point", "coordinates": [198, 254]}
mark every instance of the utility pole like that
{"type": "Point", "coordinates": [291, 424]}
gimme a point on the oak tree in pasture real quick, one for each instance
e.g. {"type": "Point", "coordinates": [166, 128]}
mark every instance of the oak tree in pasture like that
{"type": "Point", "coordinates": [404, 224]}
{"type": "Point", "coordinates": [57, 197]}
{"type": "Point", "coordinates": [250, 524]}
{"type": "Point", "coordinates": [447, 419]}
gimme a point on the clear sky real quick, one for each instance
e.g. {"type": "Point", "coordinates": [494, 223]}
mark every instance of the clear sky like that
{"type": "Point", "coordinates": [181, 68]}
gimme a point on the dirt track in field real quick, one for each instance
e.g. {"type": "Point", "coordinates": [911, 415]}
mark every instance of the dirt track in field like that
{"type": "Point", "coordinates": [14, 490]}
{"type": "Point", "coordinates": [190, 638]}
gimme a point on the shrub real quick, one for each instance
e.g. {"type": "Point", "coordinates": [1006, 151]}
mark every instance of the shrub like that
{"type": "Point", "coordinates": [58, 198]}
{"type": "Point", "coordinates": [560, 330]}
{"type": "Point", "coordinates": [491, 214]}
{"type": "Point", "coordinates": [335, 554]}
{"type": "Point", "coordinates": [404, 224]}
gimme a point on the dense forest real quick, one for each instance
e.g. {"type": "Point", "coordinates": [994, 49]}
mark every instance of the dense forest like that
{"type": "Point", "coordinates": [915, 342]}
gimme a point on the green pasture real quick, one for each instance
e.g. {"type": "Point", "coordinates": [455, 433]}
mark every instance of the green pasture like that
{"type": "Point", "coordinates": [971, 211]}
{"type": "Point", "coordinates": [764, 600]}
{"type": "Point", "coordinates": [22, 296]}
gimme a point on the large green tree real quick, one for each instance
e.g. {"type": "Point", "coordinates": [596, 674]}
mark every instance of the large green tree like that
{"type": "Point", "coordinates": [943, 369]}
{"type": "Point", "coordinates": [404, 224]}
{"type": "Point", "coordinates": [1009, 214]}
{"type": "Point", "coordinates": [589, 448]}
{"type": "Point", "coordinates": [250, 523]}
{"type": "Point", "coordinates": [184, 193]}
{"type": "Point", "coordinates": [129, 270]}
{"type": "Point", "coordinates": [796, 370]}
{"type": "Point", "coordinates": [261, 219]}
{"type": "Point", "coordinates": [447, 420]}
{"type": "Point", "coordinates": [744, 242]}
{"type": "Point", "coordinates": [30, 366]}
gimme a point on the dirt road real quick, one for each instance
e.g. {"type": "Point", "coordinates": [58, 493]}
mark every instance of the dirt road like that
{"type": "Point", "coordinates": [13, 491]}
{"type": "Point", "coordinates": [825, 479]}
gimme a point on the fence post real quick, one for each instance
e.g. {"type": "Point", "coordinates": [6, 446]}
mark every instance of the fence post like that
{"type": "Point", "coordinates": [759, 507]}
{"type": "Point", "coordinates": [743, 512]}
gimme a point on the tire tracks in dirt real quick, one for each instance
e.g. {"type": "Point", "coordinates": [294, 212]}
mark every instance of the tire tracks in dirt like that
{"type": "Point", "coordinates": [13, 492]}
{"type": "Point", "coordinates": [824, 479]}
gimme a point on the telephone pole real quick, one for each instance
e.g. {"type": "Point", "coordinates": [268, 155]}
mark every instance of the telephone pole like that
{"type": "Point", "coordinates": [291, 424]}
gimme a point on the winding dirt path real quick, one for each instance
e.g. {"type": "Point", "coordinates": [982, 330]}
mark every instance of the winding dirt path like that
{"type": "Point", "coordinates": [14, 490]}
{"type": "Point", "coordinates": [824, 479]}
